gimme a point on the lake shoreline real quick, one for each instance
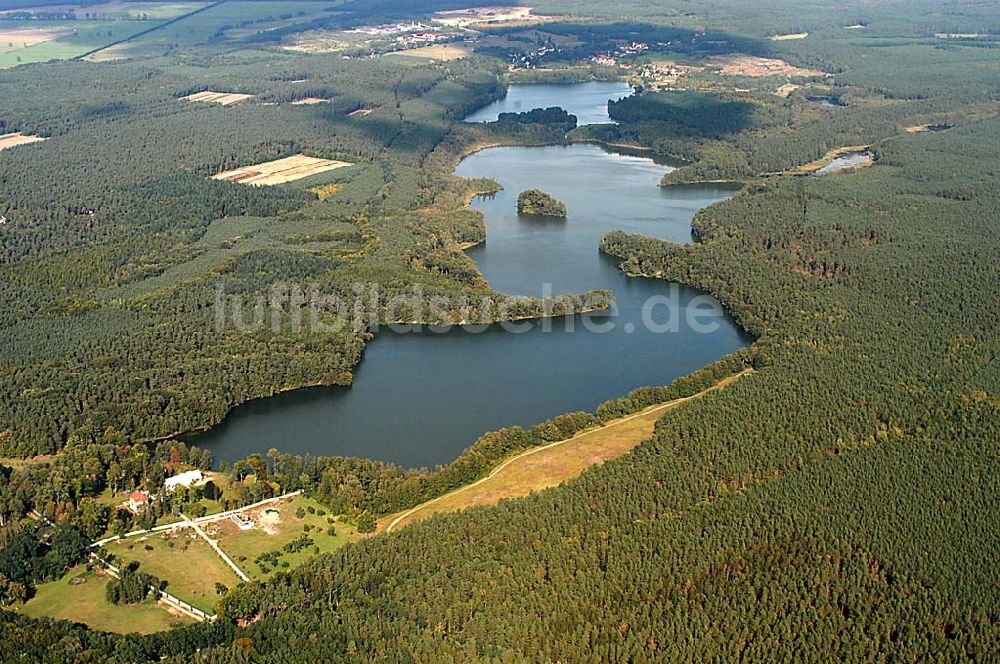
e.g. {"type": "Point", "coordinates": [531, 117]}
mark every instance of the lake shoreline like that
{"type": "Point", "coordinates": [452, 154]}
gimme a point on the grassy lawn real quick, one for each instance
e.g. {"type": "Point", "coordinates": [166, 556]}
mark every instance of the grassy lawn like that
{"type": "Point", "coordinates": [190, 566]}
{"type": "Point", "coordinates": [551, 465]}
{"type": "Point", "coordinates": [86, 603]}
{"type": "Point", "coordinates": [245, 546]}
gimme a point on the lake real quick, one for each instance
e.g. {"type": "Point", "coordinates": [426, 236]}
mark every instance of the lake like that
{"type": "Point", "coordinates": [587, 101]}
{"type": "Point", "coordinates": [419, 399]}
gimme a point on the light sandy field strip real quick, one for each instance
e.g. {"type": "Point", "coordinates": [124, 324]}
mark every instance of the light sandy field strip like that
{"type": "Point", "coordinates": [13, 140]}
{"type": "Point", "coordinates": [280, 170]}
{"type": "Point", "coordinates": [443, 52]}
{"type": "Point", "coordinates": [789, 37]}
{"type": "Point", "coordinates": [224, 98]}
{"type": "Point", "coordinates": [309, 101]}
{"type": "Point", "coordinates": [18, 38]}
{"type": "Point", "coordinates": [460, 18]}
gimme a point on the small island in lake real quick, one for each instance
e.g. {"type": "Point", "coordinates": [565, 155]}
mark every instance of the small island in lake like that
{"type": "Point", "coordinates": [537, 202]}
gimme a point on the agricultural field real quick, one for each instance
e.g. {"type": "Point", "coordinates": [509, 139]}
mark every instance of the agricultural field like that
{"type": "Point", "coordinates": [108, 11]}
{"type": "Point", "coordinates": [79, 596]}
{"type": "Point", "coordinates": [221, 98]}
{"type": "Point", "coordinates": [276, 526]}
{"type": "Point", "coordinates": [43, 40]}
{"type": "Point", "coordinates": [442, 52]}
{"type": "Point", "coordinates": [184, 560]}
{"type": "Point", "coordinates": [228, 23]}
{"type": "Point", "coordinates": [280, 171]}
{"type": "Point", "coordinates": [311, 101]}
{"type": "Point", "coordinates": [16, 39]}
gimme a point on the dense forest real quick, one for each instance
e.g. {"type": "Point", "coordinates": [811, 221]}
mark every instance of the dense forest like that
{"type": "Point", "coordinates": [838, 503]}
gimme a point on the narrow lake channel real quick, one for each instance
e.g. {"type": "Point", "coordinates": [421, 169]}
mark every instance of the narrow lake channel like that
{"type": "Point", "coordinates": [420, 399]}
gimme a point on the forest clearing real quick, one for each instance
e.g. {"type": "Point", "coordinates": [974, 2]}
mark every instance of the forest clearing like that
{"type": "Point", "coordinates": [790, 36]}
{"type": "Point", "coordinates": [222, 98]}
{"type": "Point", "coordinates": [280, 171]}
{"type": "Point", "coordinates": [267, 537]}
{"type": "Point", "coordinates": [548, 466]}
{"type": "Point", "coordinates": [826, 160]}
{"type": "Point", "coordinates": [442, 52]}
{"type": "Point", "coordinates": [17, 138]}
{"type": "Point", "coordinates": [180, 557]}
{"type": "Point", "coordinates": [80, 597]}
{"type": "Point", "coordinates": [738, 64]}
{"type": "Point", "coordinates": [463, 17]}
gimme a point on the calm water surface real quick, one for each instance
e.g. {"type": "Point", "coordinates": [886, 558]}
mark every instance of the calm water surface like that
{"type": "Point", "coordinates": [587, 101]}
{"type": "Point", "coordinates": [420, 399]}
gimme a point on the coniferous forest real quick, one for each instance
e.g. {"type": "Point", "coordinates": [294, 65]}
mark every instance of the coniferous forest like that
{"type": "Point", "coordinates": [837, 503]}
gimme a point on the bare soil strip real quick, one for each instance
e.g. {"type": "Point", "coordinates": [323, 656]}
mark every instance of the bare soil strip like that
{"type": "Point", "coordinates": [280, 171]}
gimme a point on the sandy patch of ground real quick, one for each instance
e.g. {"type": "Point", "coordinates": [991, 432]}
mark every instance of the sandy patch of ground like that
{"type": "Point", "coordinates": [280, 171]}
{"type": "Point", "coordinates": [269, 519]}
{"type": "Point", "coordinates": [790, 36]}
{"type": "Point", "coordinates": [960, 35]}
{"type": "Point", "coordinates": [917, 129]}
{"type": "Point", "coordinates": [223, 98]}
{"type": "Point", "coordinates": [14, 40]}
{"type": "Point", "coordinates": [737, 64]}
{"type": "Point", "coordinates": [786, 89]}
{"type": "Point", "coordinates": [309, 101]}
{"type": "Point", "coordinates": [459, 18]}
{"type": "Point", "coordinates": [444, 52]}
{"type": "Point", "coordinates": [326, 191]}
{"type": "Point", "coordinates": [17, 138]}
{"type": "Point", "coordinates": [361, 112]}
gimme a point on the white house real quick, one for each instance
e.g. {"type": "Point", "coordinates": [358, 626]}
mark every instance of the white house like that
{"type": "Point", "coordinates": [242, 522]}
{"type": "Point", "coordinates": [189, 478]}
